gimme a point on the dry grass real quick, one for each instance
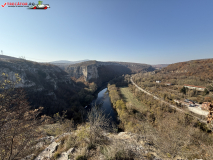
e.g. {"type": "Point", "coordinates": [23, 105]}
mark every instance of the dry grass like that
{"type": "Point", "coordinates": [118, 150]}
{"type": "Point", "coordinates": [131, 100]}
{"type": "Point", "coordinates": [57, 128]}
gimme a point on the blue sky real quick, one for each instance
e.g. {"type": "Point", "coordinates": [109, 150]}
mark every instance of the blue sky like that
{"type": "Point", "coordinates": [142, 31]}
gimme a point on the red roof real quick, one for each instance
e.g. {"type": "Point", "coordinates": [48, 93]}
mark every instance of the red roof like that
{"type": "Point", "coordinates": [193, 86]}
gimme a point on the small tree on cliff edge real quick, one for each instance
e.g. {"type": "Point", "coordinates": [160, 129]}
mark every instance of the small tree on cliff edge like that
{"type": "Point", "coordinates": [17, 122]}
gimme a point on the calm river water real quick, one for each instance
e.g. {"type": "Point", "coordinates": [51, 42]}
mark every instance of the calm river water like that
{"type": "Point", "coordinates": [103, 97]}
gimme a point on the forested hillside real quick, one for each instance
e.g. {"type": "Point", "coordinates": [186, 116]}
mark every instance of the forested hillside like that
{"type": "Point", "coordinates": [171, 134]}
{"type": "Point", "coordinates": [173, 78]}
{"type": "Point", "coordinates": [198, 68]}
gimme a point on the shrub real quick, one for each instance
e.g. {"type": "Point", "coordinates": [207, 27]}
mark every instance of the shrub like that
{"type": "Point", "coordinates": [81, 157]}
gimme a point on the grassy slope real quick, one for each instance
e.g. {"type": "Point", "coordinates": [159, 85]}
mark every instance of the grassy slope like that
{"type": "Point", "coordinates": [127, 96]}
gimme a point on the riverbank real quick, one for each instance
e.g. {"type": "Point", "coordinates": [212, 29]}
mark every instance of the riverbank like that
{"type": "Point", "coordinates": [103, 101]}
{"type": "Point", "coordinates": [130, 117]}
{"type": "Point", "coordinates": [173, 133]}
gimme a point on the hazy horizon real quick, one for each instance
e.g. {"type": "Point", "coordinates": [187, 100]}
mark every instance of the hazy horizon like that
{"type": "Point", "coordinates": [109, 61]}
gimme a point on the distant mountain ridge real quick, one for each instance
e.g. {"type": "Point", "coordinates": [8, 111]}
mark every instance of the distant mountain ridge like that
{"type": "Point", "coordinates": [67, 62]}
{"type": "Point", "coordinates": [159, 66]}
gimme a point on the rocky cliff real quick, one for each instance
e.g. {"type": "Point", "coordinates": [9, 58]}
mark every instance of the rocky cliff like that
{"type": "Point", "coordinates": [104, 71]}
{"type": "Point", "coordinates": [45, 85]}
{"type": "Point", "coordinates": [32, 74]}
{"type": "Point", "coordinates": [51, 87]}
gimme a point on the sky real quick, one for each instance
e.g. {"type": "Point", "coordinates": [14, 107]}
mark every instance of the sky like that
{"type": "Point", "coordinates": [141, 31]}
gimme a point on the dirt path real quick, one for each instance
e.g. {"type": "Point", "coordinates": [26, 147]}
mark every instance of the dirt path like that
{"type": "Point", "coordinates": [172, 106]}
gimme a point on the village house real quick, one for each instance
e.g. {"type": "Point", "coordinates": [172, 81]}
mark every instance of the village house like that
{"type": "Point", "coordinates": [189, 101]}
{"type": "Point", "coordinates": [177, 101]}
{"type": "Point", "coordinates": [199, 88]}
{"type": "Point", "coordinates": [158, 81]}
{"type": "Point", "coordinates": [168, 84]}
{"type": "Point", "coordinates": [186, 102]}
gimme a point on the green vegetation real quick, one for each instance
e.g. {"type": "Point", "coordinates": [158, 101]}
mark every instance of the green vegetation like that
{"type": "Point", "coordinates": [174, 133]}
{"type": "Point", "coordinates": [131, 100]}
{"type": "Point", "coordinates": [176, 90]}
{"type": "Point", "coordinates": [197, 73]}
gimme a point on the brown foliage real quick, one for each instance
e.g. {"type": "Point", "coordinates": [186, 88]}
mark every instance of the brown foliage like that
{"type": "Point", "coordinates": [17, 125]}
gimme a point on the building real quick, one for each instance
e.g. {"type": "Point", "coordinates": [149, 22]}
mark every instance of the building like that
{"type": "Point", "coordinates": [177, 101]}
{"type": "Point", "coordinates": [158, 81]}
{"type": "Point", "coordinates": [168, 84]}
{"type": "Point", "coordinates": [199, 88]}
{"type": "Point", "coordinates": [206, 105]}
{"type": "Point", "coordinates": [189, 101]}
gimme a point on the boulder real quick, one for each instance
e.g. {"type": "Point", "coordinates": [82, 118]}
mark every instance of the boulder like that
{"type": "Point", "coordinates": [48, 152]}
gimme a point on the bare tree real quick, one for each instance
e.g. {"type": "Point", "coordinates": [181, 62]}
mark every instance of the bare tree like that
{"type": "Point", "coordinates": [97, 124]}
{"type": "Point", "coordinates": [17, 123]}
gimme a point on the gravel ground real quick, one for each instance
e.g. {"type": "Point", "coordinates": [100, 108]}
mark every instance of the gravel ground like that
{"type": "Point", "coordinates": [198, 111]}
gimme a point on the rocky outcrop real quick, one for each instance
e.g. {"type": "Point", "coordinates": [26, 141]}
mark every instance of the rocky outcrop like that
{"type": "Point", "coordinates": [48, 152]}
{"type": "Point", "coordinates": [44, 85]}
{"type": "Point", "coordinates": [65, 155]}
{"type": "Point", "coordinates": [31, 74]}
{"type": "Point", "coordinates": [94, 70]}
{"type": "Point", "coordinates": [136, 144]}
{"type": "Point", "coordinates": [88, 72]}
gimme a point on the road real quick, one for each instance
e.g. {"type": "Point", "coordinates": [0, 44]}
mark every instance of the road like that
{"type": "Point", "coordinates": [170, 105]}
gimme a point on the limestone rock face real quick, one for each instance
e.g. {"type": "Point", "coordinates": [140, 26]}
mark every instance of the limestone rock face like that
{"type": "Point", "coordinates": [92, 70]}
{"type": "Point", "coordinates": [137, 145]}
{"type": "Point", "coordinates": [48, 152]}
{"type": "Point", "coordinates": [65, 155]}
{"type": "Point", "coordinates": [31, 74]}
{"type": "Point", "coordinates": [88, 72]}
{"type": "Point", "coordinates": [91, 73]}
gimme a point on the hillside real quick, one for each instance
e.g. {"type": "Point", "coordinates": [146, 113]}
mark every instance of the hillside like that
{"type": "Point", "coordinates": [51, 87]}
{"type": "Point", "coordinates": [173, 130]}
{"type": "Point", "coordinates": [173, 82]}
{"type": "Point", "coordinates": [100, 72]}
{"type": "Point", "coordinates": [4, 57]}
{"type": "Point", "coordinates": [199, 68]}
{"type": "Point", "coordinates": [45, 85]}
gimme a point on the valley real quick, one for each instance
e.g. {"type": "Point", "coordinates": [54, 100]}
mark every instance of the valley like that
{"type": "Point", "coordinates": [92, 109]}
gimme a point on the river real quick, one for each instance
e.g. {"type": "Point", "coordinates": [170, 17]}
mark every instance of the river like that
{"type": "Point", "coordinates": [107, 108]}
